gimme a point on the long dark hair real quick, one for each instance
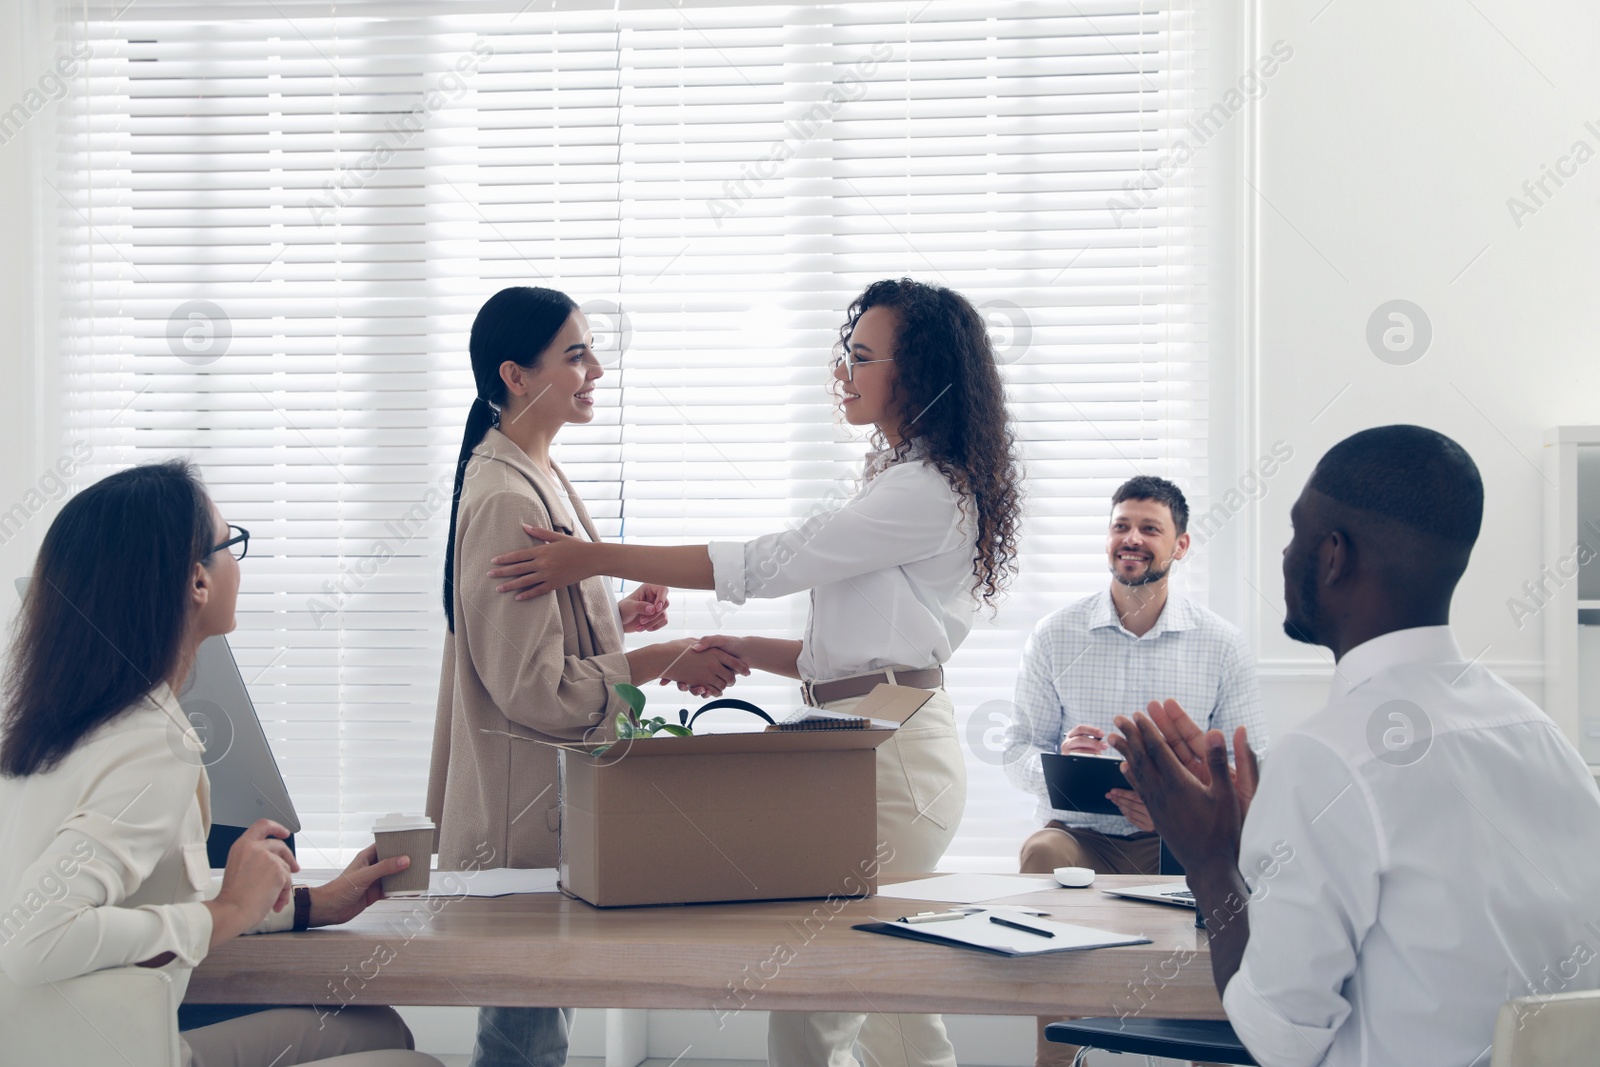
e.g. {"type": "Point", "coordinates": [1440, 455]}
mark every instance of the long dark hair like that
{"type": "Point", "coordinates": [950, 400]}
{"type": "Point", "coordinates": [515, 324]}
{"type": "Point", "coordinates": [104, 616]}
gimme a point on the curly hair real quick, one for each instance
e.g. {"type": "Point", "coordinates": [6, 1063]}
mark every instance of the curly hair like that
{"type": "Point", "coordinates": [950, 401]}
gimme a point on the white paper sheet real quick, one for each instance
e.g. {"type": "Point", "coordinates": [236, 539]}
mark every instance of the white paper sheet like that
{"type": "Point", "coordinates": [492, 882]}
{"type": "Point", "coordinates": [977, 931]}
{"type": "Point", "coordinates": [966, 888]}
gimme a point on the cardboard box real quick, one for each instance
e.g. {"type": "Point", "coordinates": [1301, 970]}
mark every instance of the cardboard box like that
{"type": "Point", "coordinates": [726, 817]}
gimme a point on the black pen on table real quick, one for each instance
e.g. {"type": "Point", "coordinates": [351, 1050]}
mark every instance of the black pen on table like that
{"type": "Point", "coordinates": [1020, 926]}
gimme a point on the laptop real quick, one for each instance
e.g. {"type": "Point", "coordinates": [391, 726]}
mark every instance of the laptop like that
{"type": "Point", "coordinates": [245, 782]}
{"type": "Point", "coordinates": [1175, 893]}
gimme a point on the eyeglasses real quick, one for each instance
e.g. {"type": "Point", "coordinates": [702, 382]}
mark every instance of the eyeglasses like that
{"type": "Point", "coordinates": [851, 361]}
{"type": "Point", "coordinates": [241, 537]}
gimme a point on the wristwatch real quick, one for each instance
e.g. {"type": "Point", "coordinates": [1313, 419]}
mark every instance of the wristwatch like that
{"type": "Point", "coordinates": [302, 907]}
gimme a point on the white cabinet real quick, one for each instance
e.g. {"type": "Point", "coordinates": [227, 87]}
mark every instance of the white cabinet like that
{"type": "Point", "coordinates": [1567, 592]}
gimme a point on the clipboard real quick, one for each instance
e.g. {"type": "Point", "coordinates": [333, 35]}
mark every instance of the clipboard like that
{"type": "Point", "coordinates": [1080, 782]}
{"type": "Point", "coordinates": [976, 932]}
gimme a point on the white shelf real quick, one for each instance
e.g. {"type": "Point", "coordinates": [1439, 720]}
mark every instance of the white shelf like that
{"type": "Point", "coordinates": [1575, 435]}
{"type": "Point", "coordinates": [1571, 466]}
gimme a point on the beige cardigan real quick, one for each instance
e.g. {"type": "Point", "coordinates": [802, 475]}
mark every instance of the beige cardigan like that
{"type": "Point", "coordinates": [541, 668]}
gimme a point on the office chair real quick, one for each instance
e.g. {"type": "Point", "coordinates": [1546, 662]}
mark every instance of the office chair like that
{"type": "Point", "coordinates": [124, 1015]}
{"type": "Point", "coordinates": [1180, 1039]}
{"type": "Point", "coordinates": [1201, 1040]}
{"type": "Point", "coordinates": [1548, 1031]}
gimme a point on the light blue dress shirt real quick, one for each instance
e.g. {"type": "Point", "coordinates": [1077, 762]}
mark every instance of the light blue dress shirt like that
{"type": "Point", "coordinates": [1081, 666]}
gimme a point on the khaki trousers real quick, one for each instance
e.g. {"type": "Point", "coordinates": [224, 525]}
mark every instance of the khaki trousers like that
{"type": "Point", "coordinates": [1059, 845]}
{"type": "Point", "coordinates": [285, 1037]}
{"type": "Point", "coordinates": [922, 790]}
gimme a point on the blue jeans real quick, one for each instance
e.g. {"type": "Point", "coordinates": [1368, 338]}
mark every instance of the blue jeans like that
{"type": "Point", "coordinates": [522, 1037]}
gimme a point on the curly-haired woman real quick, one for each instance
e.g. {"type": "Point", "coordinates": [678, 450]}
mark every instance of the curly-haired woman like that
{"type": "Point", "coordinates": [896, 577]}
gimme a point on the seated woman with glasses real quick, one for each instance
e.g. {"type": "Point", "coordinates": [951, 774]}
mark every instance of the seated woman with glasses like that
{"type": "Point", "coordinates": [104, 808]}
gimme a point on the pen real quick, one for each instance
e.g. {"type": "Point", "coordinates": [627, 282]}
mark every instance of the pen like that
{"type": "Point", "coordinates": [1020, 926]}
{"type": "Point", "coordinates": [933, 917]}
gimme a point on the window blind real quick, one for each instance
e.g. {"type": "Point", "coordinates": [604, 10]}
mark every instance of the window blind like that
{"type": "Point", "coordinates": [278, 220]}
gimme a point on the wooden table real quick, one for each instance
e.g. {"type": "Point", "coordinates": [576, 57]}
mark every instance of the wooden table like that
{"type": "Point", "coordinates": [547, 950]}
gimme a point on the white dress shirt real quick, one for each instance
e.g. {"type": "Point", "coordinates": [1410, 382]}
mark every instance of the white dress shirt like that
{"type": "Point", "coordinates": [1081, 665]}
{"type": "Point", "coordinates": [105, 855]}
{"type": "Point", "coordinates": [890, 573]}
{"type": "Point", "coordinates": [1422, 850]}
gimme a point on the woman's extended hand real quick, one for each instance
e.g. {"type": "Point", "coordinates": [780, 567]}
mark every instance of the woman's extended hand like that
{"type": "Point", "coordinates": [360, 885]}
{"type": "Point", "coordinates": [644, 610]}
{"type": "Point", "coordinates": [556, 561]}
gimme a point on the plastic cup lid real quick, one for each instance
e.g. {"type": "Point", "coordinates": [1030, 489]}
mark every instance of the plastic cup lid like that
{"type": "Point", "coordinates": [395, 821]}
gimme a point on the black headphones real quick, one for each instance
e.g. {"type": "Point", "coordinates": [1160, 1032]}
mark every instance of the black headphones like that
{"type": "Point", "coordinates": [687, 719]}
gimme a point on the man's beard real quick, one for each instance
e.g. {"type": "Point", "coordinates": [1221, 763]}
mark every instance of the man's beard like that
{"type": "Point", "coordinates": [1151, 574]}
{"type": "Point", "coordinates": [1302, 628]}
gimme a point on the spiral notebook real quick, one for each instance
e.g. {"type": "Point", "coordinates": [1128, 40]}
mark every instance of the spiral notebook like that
{"type": "Point", "coordinates": [887, 707]}
{"type": "Point", "coordinates": [819, 719]}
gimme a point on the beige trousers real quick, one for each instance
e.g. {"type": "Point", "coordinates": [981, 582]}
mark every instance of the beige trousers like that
{"type": "Point", "coordinates": [286, 1037]}
{"type": "Point", "coordinates": [922, 790]}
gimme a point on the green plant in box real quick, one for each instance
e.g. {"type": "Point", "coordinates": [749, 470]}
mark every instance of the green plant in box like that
{"type": "Point", "coordinates": [632, 723]}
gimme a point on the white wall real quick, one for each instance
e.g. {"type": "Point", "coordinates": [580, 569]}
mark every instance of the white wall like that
{"type": "Point", "coordinates": [1386, 151]}
{"type": "Point", "coordinates": [28, 427]}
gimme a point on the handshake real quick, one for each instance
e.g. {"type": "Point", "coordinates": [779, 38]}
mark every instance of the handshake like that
{"type": "Point", "coordinates": [707, 665]}
{"type": "Point", "coordinates": [704, 666]}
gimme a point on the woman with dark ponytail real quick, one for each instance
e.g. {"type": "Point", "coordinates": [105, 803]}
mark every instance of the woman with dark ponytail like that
{"type": "Point", "coordinates": [547, 674]}
{"type": "Point", "coordinates": [896, 576]}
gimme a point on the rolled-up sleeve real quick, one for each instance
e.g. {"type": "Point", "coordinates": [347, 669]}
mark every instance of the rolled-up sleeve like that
{"type": "Point", "coordinates": [1314, 898]}
{"type": "Point", "coordinates": [71, 896]}
{"type": "Point", "coordinates": [727, 570]}
{"type": "Point", "coordinates": [905, 514]}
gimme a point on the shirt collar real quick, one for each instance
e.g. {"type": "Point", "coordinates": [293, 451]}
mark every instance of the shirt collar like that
{"type": "Point", "coordinates": [882, 459]}
{"type": "Point", "coordinates": [1397, 648]}
{"type": "Point", "coordinates": [1176, 614]}
{"type": "Point", "coordinates": [556, 495]}
{"type": "Point", "coordinates": [163, 699]}
{"type": "Point", "coordinates": [496, 445]}
{"type": "Point", "coordinates": [165, 702]}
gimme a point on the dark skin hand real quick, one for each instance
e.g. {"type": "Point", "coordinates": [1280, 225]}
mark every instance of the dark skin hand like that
{"type": "Point", "coordinates": [1197, 803]}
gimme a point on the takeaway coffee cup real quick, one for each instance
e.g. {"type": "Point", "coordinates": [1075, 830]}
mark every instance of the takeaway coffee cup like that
{"type": "Point", "coordinates": [405, 835]}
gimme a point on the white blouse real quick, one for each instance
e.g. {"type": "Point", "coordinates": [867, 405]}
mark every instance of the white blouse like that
{"type": "Point", "coordinates": [890, 573]}
{"type": "Point", "coordinates": [105, 856]}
